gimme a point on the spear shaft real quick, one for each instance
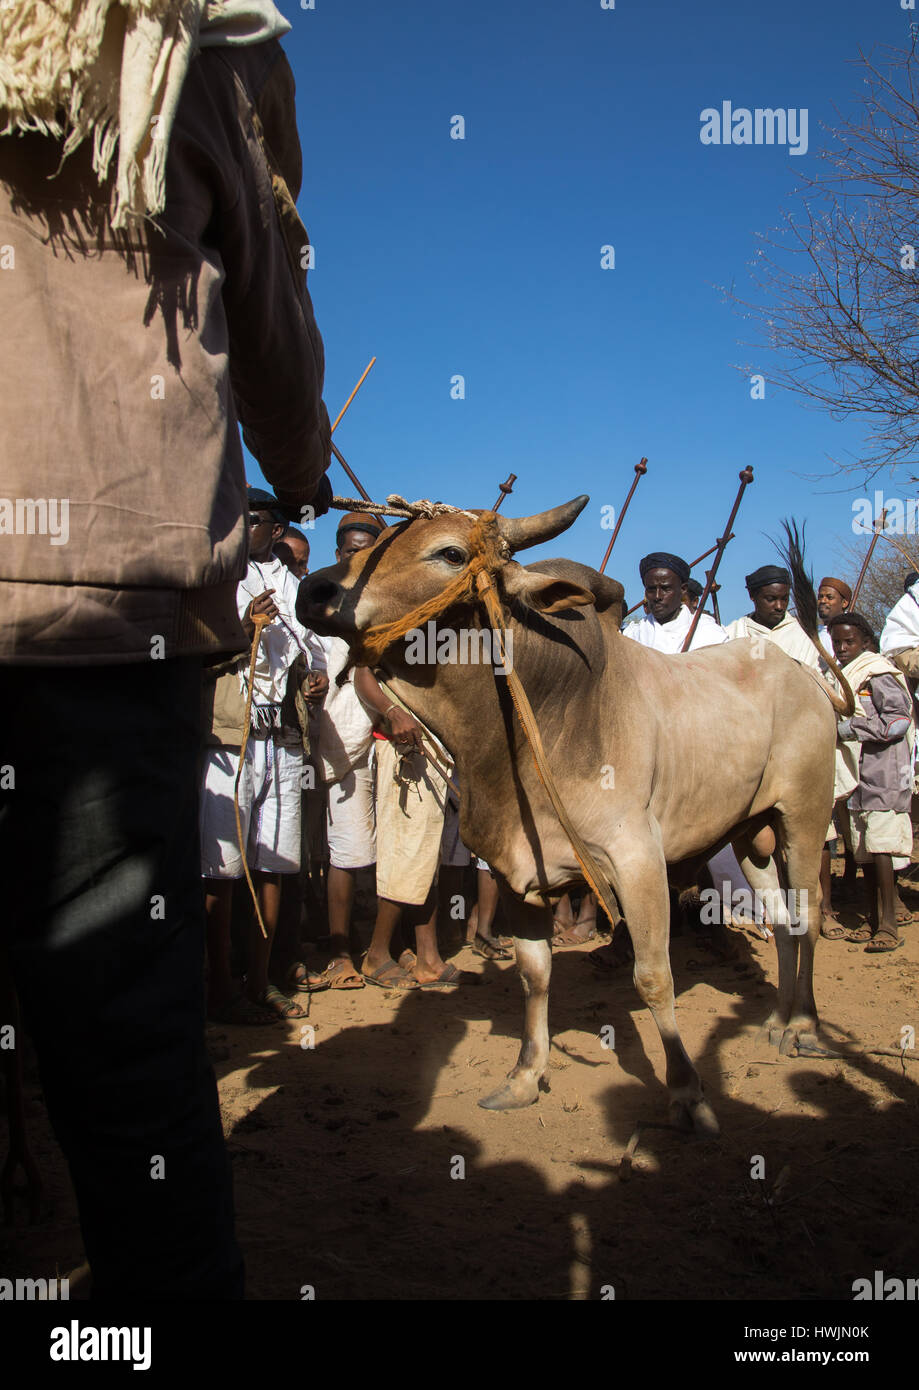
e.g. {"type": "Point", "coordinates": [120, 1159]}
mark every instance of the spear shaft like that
{"type": "Point", "coordinates": [641, 469]}
{"type": "Point", "coordinates": [505, 487]}
{"type": "Point", "coordinates": [746, 477]}
{"type": "Point", "coordinates": [353, 394]}
{"type": "Point", "coordinates": [878, 528]}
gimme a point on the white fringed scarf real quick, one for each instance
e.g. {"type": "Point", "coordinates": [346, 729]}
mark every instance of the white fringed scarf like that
{"type": "Point", "coordinates": [114, 69]}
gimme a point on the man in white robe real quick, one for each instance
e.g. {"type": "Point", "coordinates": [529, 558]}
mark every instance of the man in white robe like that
{"type": "Point", "coordinates": [769, 587]}
{"type": "Point", "coordinates": [900, 637]}
{"type": "Point", "coordinates": [668, 621]}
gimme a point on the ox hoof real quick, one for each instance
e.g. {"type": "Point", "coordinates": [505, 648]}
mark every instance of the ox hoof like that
{"type": "Point", "coordinates": [511, 1097]}
{"type": "Point", "coordinates": [696, 1117]}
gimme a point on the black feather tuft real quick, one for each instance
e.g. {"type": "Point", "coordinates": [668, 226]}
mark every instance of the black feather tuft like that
{"type": "Point", "coordinates": [802, 581]}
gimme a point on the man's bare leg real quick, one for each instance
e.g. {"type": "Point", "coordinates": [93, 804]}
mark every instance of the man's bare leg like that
{"type": "Point", "coordinates": [340, 887]}
{"type": "Point", "coordinates": [488, 906]}
{"type": "Point", "coordinates": [429, 964]}
{"type": "Point", "coordinates": [451, 881]}
{"type": "Point", "coordinates": [378, 958]}
{"type": "Point", "coordinates": [571, 931]}
{"type": "Point", "coordinates": [830, 928]}
{"type": "Point", "coordinates": [884, 915]}
{"type": "Point", "coordinates": [341, 971]}
{"type": "Point", "coordinates": [268, 888]}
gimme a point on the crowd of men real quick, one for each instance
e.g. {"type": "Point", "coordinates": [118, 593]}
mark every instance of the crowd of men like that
{"type": "Point", "coordinates": [875, 770]}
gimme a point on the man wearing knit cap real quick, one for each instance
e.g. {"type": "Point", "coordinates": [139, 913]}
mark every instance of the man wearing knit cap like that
{"type": "Point", "coordinates": [833, 597]}
{"type": "Point", "coordinates": [149, 166]}
{"type": "Point", "coordinates": [665, 578]}
{"type": "Point", "coordinates": [694, 592]}
{"type": "Point", "coordinates": [769, 587]}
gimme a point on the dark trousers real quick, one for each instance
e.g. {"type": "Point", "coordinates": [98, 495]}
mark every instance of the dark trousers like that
{"type": "Point", "coordinates": [102, 917]}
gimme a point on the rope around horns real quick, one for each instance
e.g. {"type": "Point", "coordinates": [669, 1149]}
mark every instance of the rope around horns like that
{"type": "Point", "coordinates": [398, 506]}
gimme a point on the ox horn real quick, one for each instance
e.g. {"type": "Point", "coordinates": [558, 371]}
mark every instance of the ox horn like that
{"type": "Point", "coordinates": [521, 532]}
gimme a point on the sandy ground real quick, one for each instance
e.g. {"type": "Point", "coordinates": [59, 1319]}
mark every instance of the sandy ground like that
{"type": "Point", "coordinates": [346, 1156]}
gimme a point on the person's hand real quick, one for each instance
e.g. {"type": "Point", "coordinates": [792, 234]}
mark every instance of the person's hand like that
{"type": "Point", "coordinates": [305, 513]}
{"type": "Point", "coordinates": [406, 731]}
{"type": "Point", "coordinates": [317, 683]}
{"type": "Point", "coordinates": [323, 499]}
{"type": "Point", "coordinates": [263, 604]}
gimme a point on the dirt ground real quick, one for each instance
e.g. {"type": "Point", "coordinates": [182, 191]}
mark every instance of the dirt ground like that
{"type": "Point", "coordinates": [364, 1168]}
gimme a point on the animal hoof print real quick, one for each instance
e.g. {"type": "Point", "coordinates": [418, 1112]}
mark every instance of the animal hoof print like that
{"type": "Point", "coordinates": [507, 1099]}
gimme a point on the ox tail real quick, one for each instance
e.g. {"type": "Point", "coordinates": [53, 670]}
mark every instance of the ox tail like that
{"type": "Point", "coordinates": [802, 587]}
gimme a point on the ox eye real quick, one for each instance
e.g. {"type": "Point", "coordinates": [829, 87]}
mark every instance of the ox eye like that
{"type": "Point", "coordinates": [453, 555]}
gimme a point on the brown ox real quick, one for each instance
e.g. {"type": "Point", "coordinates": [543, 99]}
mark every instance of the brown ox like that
{"type": "Point", "coordinates": [660, 760]}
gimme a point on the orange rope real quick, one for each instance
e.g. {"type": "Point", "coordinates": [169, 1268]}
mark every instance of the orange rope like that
{"type": "Point", "coordinates": [489, 552]}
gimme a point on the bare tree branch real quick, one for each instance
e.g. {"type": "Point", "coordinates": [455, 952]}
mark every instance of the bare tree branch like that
{"type": "Point", "coordinates": [837, 283]}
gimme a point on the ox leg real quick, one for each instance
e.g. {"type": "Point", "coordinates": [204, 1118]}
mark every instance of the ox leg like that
{"type": "Point", "coordinates": [532, 928]}
{"type": "Point", "coordinates": [795, 918]}
{"type": "Point", "coordinates": [803, 850]}
{"type": "Point", "coordinates": [762, 874]}
{"type": "Point", "coordinates": [644, 900]}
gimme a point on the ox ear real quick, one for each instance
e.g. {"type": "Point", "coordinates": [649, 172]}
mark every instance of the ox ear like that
{"type": "Point", "coordinates": [544, 592]}
{"type": "Point", "coordinates": [523, 531]}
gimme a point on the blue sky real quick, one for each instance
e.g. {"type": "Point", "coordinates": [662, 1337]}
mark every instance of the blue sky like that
{"type": "Point", "coordinates": [481, 257]}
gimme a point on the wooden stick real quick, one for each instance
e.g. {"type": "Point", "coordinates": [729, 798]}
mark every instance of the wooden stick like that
{"type": "Point", "coordinates": [914, 563]}
{"type": "Point", "coordinates": [506, 487]}
{"type": "Point", "coordinates": [878, 528]}
{"type": "Point", "coordinates": [353, 394]}
{"type": "Point", "coordinates": [714, 592]}
{"type": "Point", "coordinates": [746, 477]}
{"type": "Point", "coordinates": [351, 474]}
{"type": "Point", "coordinates": [641, 469]}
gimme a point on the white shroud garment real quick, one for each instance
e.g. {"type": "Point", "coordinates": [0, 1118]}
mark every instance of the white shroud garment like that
{"type": "Point", "coordinates": [901, 630]}
{"type": "Point", "coordinates": [669, 637]}
{"type": "Point", "coordinates": [788, 634]}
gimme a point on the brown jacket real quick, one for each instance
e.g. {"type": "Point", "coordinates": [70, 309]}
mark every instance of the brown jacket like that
{"type": "Point", "coordinates": [127, 358]}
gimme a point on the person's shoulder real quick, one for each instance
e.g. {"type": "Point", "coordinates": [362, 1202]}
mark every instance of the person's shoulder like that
{"type": "Point", "coordinates": [708, 633]}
